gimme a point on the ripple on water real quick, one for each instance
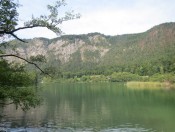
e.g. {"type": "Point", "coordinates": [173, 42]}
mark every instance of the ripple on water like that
{"type": "Point", "coordinates": [42, 129]}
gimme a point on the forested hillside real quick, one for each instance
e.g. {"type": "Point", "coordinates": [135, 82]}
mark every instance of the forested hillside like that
{"type": "Point", "coordinates": [75, 55]}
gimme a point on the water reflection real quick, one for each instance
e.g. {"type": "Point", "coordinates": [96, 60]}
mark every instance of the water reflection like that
{"type": "Point", "coordinates": [96, 107]}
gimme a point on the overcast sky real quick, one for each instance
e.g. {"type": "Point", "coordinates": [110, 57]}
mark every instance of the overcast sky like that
{"type": "Point", "coordinates": [109, 17]}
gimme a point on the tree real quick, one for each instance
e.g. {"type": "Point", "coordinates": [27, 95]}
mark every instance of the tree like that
{"type": "Point", "coordinates": [8, 28]}
{"type": "Point", "coordinates": [9, 18]}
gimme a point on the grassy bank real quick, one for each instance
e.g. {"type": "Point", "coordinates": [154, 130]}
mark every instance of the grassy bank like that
{"type": "Point", "coordinates": [150, 85]}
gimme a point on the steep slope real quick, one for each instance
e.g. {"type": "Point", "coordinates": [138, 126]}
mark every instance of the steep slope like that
{"type": "Point", "coordinates": [149, 46]}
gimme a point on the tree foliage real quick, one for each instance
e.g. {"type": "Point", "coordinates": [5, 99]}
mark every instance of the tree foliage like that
{"type": "Point", "coordinates": [38, 58]}
{"type": "Point", "coordinates": [14, 75]}
{"type": "Point", "coordinates": [8, 16]}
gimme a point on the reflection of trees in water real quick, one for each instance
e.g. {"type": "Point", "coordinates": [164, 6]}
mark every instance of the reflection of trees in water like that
{"type": "Point", "coordinates": [99, 106]}
{"type": "Point", "coordinates": [23, 97]}
{"type": "Point", "coordinates": [79, 104]}
{"type": "Point", "coordinates": [18, 104]}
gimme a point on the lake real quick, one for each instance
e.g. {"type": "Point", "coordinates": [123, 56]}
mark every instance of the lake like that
{"type": "Point", "coordinates": [94, 107]}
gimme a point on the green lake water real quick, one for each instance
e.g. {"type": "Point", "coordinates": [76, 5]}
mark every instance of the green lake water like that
{"type": "Point", "coordinates": [93, 107]}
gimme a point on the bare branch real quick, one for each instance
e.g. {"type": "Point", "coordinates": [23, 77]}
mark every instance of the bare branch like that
{"type": "Point", "coordinates": [18, 38]}
{"type": "Point", "coordinates": [11, 33]}
{"type": "Point", "coordinates": [12, 55]}
{"type": "Point", "coordinates": [20, 28]}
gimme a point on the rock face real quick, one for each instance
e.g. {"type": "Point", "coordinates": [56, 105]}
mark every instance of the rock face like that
{"type": "Point", "coordinates": [63, 49]}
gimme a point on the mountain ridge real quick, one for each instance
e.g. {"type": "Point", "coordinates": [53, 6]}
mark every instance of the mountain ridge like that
{"type": "Point", "coordinates": [88, 52]}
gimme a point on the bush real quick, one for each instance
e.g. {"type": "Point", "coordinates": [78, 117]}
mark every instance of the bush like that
{"type": "Point", "coordinates": [98, 78]}
{"type": "Point", "coordinates": [124, 77]}
{"type": "Point", "coordinates": [85, 78]}
{"type": "Point", "coordinates": [170, 77]}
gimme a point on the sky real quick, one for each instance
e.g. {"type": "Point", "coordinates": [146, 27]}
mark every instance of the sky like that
{"type": "Point", "coordinates": [109, 17]}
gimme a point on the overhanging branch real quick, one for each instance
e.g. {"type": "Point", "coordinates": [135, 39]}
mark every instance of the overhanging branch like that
{"type": "Point", "coordinates": [11, 33]}
{"type": "Point", "coordinates": [12, 55]}
{"type": "Point", "coordinates": [20, 28]}
{"type": "Point", "coordinates": [18, 38]}
{"type": "Point", "coordinates": [27, 27]}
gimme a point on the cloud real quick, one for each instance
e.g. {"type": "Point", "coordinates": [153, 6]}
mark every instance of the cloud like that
{"type": "Point", "coordinates": [113, 22]}
{"type": "Point", "coordinates": [110, 17]}
{"type": "Point", "coordinates": [36, 32]}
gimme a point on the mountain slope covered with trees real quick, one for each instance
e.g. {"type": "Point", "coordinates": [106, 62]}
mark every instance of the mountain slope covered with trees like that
{"type": "Point", "coordinates": [144, 53]}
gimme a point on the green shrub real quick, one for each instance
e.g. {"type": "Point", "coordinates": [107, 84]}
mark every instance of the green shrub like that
{"type": "Point", "coordinates": [85, 78]}
{"type": "Point", "coordinates": [170, 77]}
{"type": "Point", "coordinates": [123, 77]}
{"type": "Point", "coordinates": [98, 78]}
